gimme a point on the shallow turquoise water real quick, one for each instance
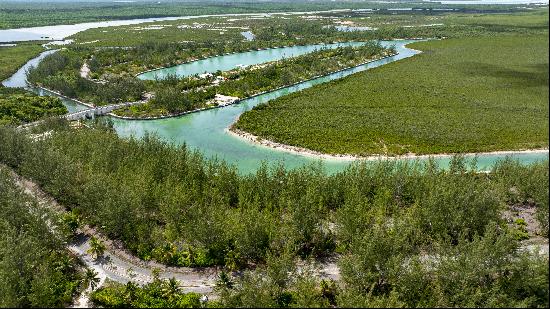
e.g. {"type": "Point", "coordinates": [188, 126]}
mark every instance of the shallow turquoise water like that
{"type": "Point", "coordinates": [19, 80]}
{"type": "Point", "coordinates": [206, 131]}
{"type": "Point", "coordinates": [228, 62]}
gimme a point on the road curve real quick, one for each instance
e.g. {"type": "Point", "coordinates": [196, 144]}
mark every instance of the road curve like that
{"type": "Point", "coordinates": [118, 264]}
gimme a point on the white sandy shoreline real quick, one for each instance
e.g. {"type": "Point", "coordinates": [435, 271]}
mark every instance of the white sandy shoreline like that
{"type": "Point", "coordinates": [348, 157]}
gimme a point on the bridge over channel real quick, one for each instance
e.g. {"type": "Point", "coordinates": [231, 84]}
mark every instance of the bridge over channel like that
{"type": "Point", "coordinates": [88, 113]}
{"type": "Point", "coordinates": [98, 111]}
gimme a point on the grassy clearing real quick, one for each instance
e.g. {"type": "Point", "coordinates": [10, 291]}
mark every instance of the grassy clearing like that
{"type": "Point", "coordinates": [13, 57]}
{"type": "Point", "coordinates": [460, 95]}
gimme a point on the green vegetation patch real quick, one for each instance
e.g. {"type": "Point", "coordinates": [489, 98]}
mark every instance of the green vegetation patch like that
{"type": "Point", "coordinates": [61, 71]}
{"type": "Point", "coordinates": [157, 294]}
{"type": "Point", "coordinates": [379, 273]}
{"type": "Point", "coordinates": [459, 95]}
{"type": "Point", "coordinates": [173, 95]}
{"type": "Point", "coordinates": [13, 57]}
{"type": "Point", "coordinates": [15, 14]}
{"type": "Point", "coordinates": [35, 268]}
{"type": "Point", "coordinates": [19, 106]}
{"type": "Point", "coordinates": [170, 205]}
{"type": "Point", "coordinates": [407, 233]}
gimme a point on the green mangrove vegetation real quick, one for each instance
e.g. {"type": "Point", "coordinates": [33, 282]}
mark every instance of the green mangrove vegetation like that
{"type": "Point", "coordinates": [61, 71]}
{"type": "Point", "coordinates": [472, 94]}
{"type": "Point", "coordinates": [158, 294]}
{"type": "Point", "coordinates": [16, 14]}
{"type": "Point", "coordinates": [35, 268]}
{"type": "Point", "coordinates": [380, 271]}
{"type": "Point", "coordinates": [131, 49]}
{"type": "Point", "coordinates": [13, 57]}
{"type": "Point", "coordinates": [384, 233]}
{"type": "Point", "coordinates": [450, 24]}
{"type": "Point", "coordinates": [114, 55]}
{"type": "Point", "coordinates": [18, 106]}
{"type": "Point", "coordinates": [174, 96]}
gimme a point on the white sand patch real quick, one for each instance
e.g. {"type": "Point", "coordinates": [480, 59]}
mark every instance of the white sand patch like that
{"type": "Point", "coordinates": [428, 25]}
{"type": "Point", "coordinates": [224, 100]}
{"type": "Point", "coordinates": [84, 70]}
{"type": "Point", "coordinates": [348, 157]}
{"type": "Point", "coordinates": [154, 27]}
{"type": "Point", "coordinates": [58, 43]}
{"type": "Point", "coordinates": [89, 42]}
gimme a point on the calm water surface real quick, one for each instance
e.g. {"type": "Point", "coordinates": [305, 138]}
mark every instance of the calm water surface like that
{"type": "Point", "coordinates": [207, 131]}
{"type": "Point", "coordinates": [229, 62]}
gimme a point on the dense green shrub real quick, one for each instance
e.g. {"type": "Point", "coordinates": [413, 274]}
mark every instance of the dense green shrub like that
{"type": "Point", "coordinates": [526, 187]}
{"type": "Point", "coordinates": [60, 71]}
{"type": "Point", "coordinates": [170, 204]}
{"type": "Point", "coordinates": [404, 229]}
{"type": "Point", "coordinates": [488, 271]}
{"type": "Point", "coordinates": [18, 106]}
{"type": "Point", "coordinates": [158, 294]}
{"type": "Point", "coordinates": [13, 57]}
{"type": "Point", "coordinates": [35, 269]}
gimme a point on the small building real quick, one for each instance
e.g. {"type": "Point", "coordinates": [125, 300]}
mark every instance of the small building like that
{"type": "Point", "coordinates": [205, 75]}
{"type": "Point", "coordinates": [218, 80]}
{"type": "Point", "coordinates": [224, 100]}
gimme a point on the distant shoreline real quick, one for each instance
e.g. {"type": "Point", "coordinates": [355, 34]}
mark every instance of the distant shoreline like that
{"type": "Point", "coordinates": [348, 157]}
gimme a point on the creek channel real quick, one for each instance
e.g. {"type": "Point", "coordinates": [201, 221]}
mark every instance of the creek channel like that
{"type": "Point", "coordinates": [207, 131]}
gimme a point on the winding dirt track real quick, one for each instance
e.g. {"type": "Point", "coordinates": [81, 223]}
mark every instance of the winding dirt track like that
{"type": "Point", "coordinates": [117, 264]}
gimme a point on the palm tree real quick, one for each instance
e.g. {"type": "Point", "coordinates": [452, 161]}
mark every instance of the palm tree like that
{"type": "Point", "coordinates": [224, 281]}
{"type": "Point", "coordinates": [171, 288]}
{"type": "Point", "coordinates": [97, 248]}
{"type": "Point", "coordinates": [63, 263]}
{"type": "Point", "coordinates": [130, 291]}
{"type": "Point", "coordinates": [91, 278]}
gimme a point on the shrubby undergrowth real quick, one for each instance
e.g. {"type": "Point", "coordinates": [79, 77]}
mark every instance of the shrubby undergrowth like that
{"type": "Point", "coordinates": [61, 71]}
{"type": "Point", "coordinates": [35, 268]}
{"type": "Point", "coordinates": [409, 233]}
{"type": "Point", "coordinates": [157, 294]}
{"type": "Point", "coordinates": [19, 106]}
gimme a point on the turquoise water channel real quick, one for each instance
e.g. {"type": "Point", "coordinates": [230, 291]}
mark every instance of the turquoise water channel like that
{"type": "Point", "coordinates": [232, 61]}
{"type": "Point", "coordinates": [19, 80]}
{"type": "Point", "coordinates": [206, 131]}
